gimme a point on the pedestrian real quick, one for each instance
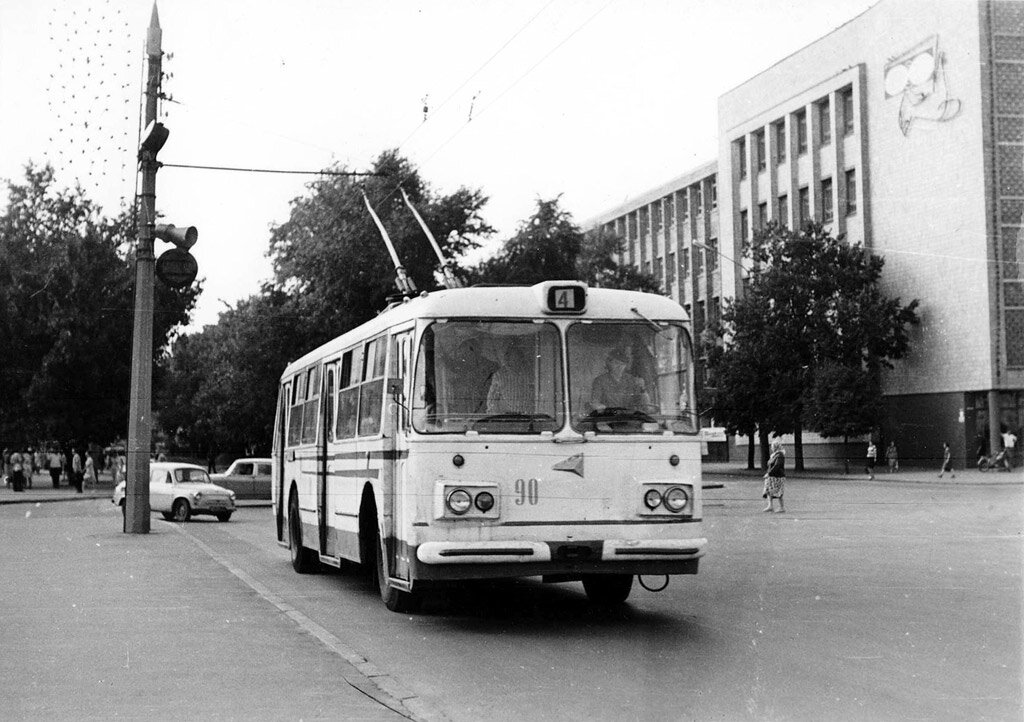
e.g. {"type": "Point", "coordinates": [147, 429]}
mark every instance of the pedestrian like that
{"type": "Point", "coordinates": [7, 467]}
{"type": "Point", "coordinates": [17, 471]}
{"type": "Point", "coordinates": [775, 477]}
{"type": "Point", "coordinates": [55, 467]}
{"type": "Point", "coordinates": [76, 470]}
{"type": "Point", "coordinates": [947, 461]}
{"type": "Point", "coordinates": [892, 457]}
{"type": "Point", "coordinates": [116, 468]}
{"type": "Point", "coordinates": [90, 471]}
{"type": "Point", "coordinates": [1009, 444]}
{"type": "Point", "coordinates": [871, 458]}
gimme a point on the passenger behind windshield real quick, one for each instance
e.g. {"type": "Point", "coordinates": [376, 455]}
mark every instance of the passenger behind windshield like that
{"type": "Point", "coordinates": [616, 388]}
{"type": "Point", "coordinates": [511, 390]}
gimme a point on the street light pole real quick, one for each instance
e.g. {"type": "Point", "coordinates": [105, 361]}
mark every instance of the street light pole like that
{"type": "Point", "coordinates": [140, 423]}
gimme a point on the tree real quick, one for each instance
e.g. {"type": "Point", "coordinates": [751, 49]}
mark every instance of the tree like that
{"type": "Point", "coordinates": [550, 246]}
{"type": "Point", "coordinates": [332, 272]}
{"type": "Point", "coordinates": [66, 306]}
{"type": "Point", "coordinates": [329, 257]}
{"type": "Point", "coordinates": [813, 306]}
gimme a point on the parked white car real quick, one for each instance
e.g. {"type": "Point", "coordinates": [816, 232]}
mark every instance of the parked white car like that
{"type": "Point", "coordinates": [178, 491]}
{"type": "Point", "coordinates": [248, 478]}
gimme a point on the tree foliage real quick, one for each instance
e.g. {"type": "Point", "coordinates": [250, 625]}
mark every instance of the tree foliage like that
{"type": "Point", "coordinates": [550, 246]}
{"type": "Point", "coordinates": [813, 316]}
{"type": "Point", "coordinates": [66, 314]}
{"type": "Point", "coordinates": [332, 272]}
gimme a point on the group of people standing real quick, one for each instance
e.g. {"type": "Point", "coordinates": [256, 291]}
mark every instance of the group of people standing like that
{"type": "Point", "coordinates": [78, 467]}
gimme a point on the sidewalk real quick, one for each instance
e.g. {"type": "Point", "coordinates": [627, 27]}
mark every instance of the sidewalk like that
{"type": "Point", "coordinates": [738, 471]}
{"type": "Point", "coordinates": [99, 624]}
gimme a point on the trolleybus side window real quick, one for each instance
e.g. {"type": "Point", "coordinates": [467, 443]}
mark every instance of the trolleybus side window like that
{"type": "Point", "coordinates": [630, 377]}
{"type": "Point", "coordinates": [371, 393]}
{"type": "Point", "coordinates": [309, 408]}
{"type": "Point", "coordinates": [348, 397]}
{"type": "Point", "coordinates": [489, 376]}
{"type": "Point", "coordinates": [295, 410]}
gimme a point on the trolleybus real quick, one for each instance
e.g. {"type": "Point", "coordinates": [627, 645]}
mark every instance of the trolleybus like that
{"type": "Point", "coordinates": [495, 432]}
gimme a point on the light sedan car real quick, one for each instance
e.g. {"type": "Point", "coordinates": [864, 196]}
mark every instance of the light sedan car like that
{"type": "Point", "coordinates": [178, 491]}
{"type": "Point", "coordinates": [248, 478]}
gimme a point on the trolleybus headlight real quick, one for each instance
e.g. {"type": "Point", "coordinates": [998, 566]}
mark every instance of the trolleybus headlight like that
{"type": "Point", "coordinates": [484, 501]}
{"type": "Point", "coordinates": [652, 499]}
{"type": "Point", "coordinates": [459, 501]}
{"type": "Point", "coordinates": [676, 499]}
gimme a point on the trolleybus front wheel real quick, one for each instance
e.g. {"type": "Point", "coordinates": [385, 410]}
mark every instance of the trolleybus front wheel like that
{"type": "Point", "coordinates": [395, 600]}
{"type": "Point", "coordinates": [607, 588]}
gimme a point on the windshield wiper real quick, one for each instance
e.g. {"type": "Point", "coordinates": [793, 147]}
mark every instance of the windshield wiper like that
{"type": "Point", "coordinates": [650, 323]}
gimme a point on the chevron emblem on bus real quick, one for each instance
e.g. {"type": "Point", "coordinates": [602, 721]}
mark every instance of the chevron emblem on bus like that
{"type": "Point", "coordinates": [573, 463]}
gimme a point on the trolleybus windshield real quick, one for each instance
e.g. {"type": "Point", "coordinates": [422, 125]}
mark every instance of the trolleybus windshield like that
{"type": "Point", "coordinates": [628, 378]}
{"type": "Point", "coordinates": [492, 377]}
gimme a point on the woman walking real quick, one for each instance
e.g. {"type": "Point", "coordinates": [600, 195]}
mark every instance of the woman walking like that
{"type": "Point", "coordinates": [947, 461]}
{"type": "Point", "coordinates": [775, 477]}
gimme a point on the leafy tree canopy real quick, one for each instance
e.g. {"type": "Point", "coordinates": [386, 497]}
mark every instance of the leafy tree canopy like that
{"type": "Point", "coordinates": [66, 314]}
{"type": "Point", "coordinates": [811, 316]}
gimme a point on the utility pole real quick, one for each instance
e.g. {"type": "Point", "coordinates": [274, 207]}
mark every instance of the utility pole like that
{"type": "Point", "coordinates": [140, 422]}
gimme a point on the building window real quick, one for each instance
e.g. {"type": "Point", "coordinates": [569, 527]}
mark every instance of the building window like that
{"type": "Point", "coordinates": [801, 132]}
{"type": "Point", "coordinates": [683, 203]}
{"type": "Point", "coordinates": [780, 141]}
{"type": "Point", "coordinates": [847, 97]}
{"type": "Point", "coordinates": [759, 149]}
{"type": "Point", "coordinates": [743, 225]}
{"type": "Point", "coordinates": [698, 261]}
{"type": "Point", "coordinates": [670, 271]}
{"type": "Point", "coordinates": [741, 152]}
{"type": "Point", "coordinates": [700, 198]}
{"type": "Point", "coordinates": [714, 192]}
{"type": "Point", "coordinates": [762, 216]}
{"type": "Point", "coordinates": [825, 121]}
{"type": "Point", "coordinates": [851, 191]}
{"type": "Point", "coordinates": [670, 212]}
{"type": "Point", "coordinates": [805, 207]}
{"type": "Point", "coordinates": [712, 259]}
{"type": "Point", "coordinates": [656, 217]}
{"type": "Point", "coordinates": [684, 264]}
{"type": "Point", "coordinates": [826, 200]}
{"type": "Point", "coordinates": [784, 210]}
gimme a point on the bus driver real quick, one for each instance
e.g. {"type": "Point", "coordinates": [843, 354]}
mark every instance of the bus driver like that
{"type": "Point", "coordinates": [617, 389]}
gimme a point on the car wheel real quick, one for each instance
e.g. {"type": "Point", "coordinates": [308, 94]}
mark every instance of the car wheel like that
{"type": "Point", "coordinates": [181, 511]}
{"type": "Point", "coordinates": [396, 600]}
{"type": "Point", "coordinates": [607, 588]}
{"type": "Point", "coordinates": [224, 516]}
{"type": "Point", "coordinates": [304, 561]}
{"type": "Point", "coordinates": [168, 515]}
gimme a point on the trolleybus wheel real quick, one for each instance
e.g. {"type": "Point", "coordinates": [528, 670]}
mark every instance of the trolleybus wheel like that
{"type": "Point", "coordinates": [396, 600]}
{"type": "Point", "coordinates": [303, 560]}
{"type": "Point", "coordinates": [607, 588]}
{"type": "Point", "coordinates": [181, 511]}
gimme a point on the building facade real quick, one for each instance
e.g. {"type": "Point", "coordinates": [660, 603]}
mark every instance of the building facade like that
{"type": "Point", "coordinates": [902, 130]}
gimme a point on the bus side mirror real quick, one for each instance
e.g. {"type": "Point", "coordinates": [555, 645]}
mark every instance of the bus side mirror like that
{"type": "Point", "coordinates": [394, 387]}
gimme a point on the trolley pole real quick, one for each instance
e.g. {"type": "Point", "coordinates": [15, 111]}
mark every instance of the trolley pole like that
{"type": "Point", "coordinates": [140, 422]}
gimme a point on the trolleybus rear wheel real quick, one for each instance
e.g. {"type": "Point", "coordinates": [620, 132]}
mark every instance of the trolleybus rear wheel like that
{"type": "Point", "coordinates": [304, 561]}
{"type": "Point", "coordinates": [607, 588]}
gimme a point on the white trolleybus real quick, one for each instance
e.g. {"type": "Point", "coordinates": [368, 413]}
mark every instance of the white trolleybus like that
{"type": "Point", "coordinates": [496, 432]}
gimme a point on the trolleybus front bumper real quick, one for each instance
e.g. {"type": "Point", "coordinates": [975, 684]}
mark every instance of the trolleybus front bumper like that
{"type": "Point", "coordinates": [494, 559]}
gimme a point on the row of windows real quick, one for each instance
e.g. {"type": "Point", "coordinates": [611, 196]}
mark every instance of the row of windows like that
{"type": "Point", "coordinates": [355, 395]}
{"type": "Point", "coordinates": [826, 214]}
{"type": "Point", "coordinates": [822, 108]}
{"type": "Point", "coordinates": [662, 213]}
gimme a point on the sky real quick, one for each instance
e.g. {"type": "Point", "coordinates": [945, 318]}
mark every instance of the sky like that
{"type": "Point", "coordinates": [594, 100]}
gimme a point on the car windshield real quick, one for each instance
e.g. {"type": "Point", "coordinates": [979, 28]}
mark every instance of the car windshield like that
{"type": "Point", "coordinates": [492, 377]}
{"type": "Point", "coordinates": [630, 378]}
{"type": "Point", "coordinates": [197, 476]}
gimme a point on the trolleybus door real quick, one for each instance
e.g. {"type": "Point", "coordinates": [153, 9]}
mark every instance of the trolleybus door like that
{"type": "Point", "coordinates": [280, 430]}
{"type": "Point", "coordinates": [323, 434]}
{"type": "Point", "coordinates": [395, 449]}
